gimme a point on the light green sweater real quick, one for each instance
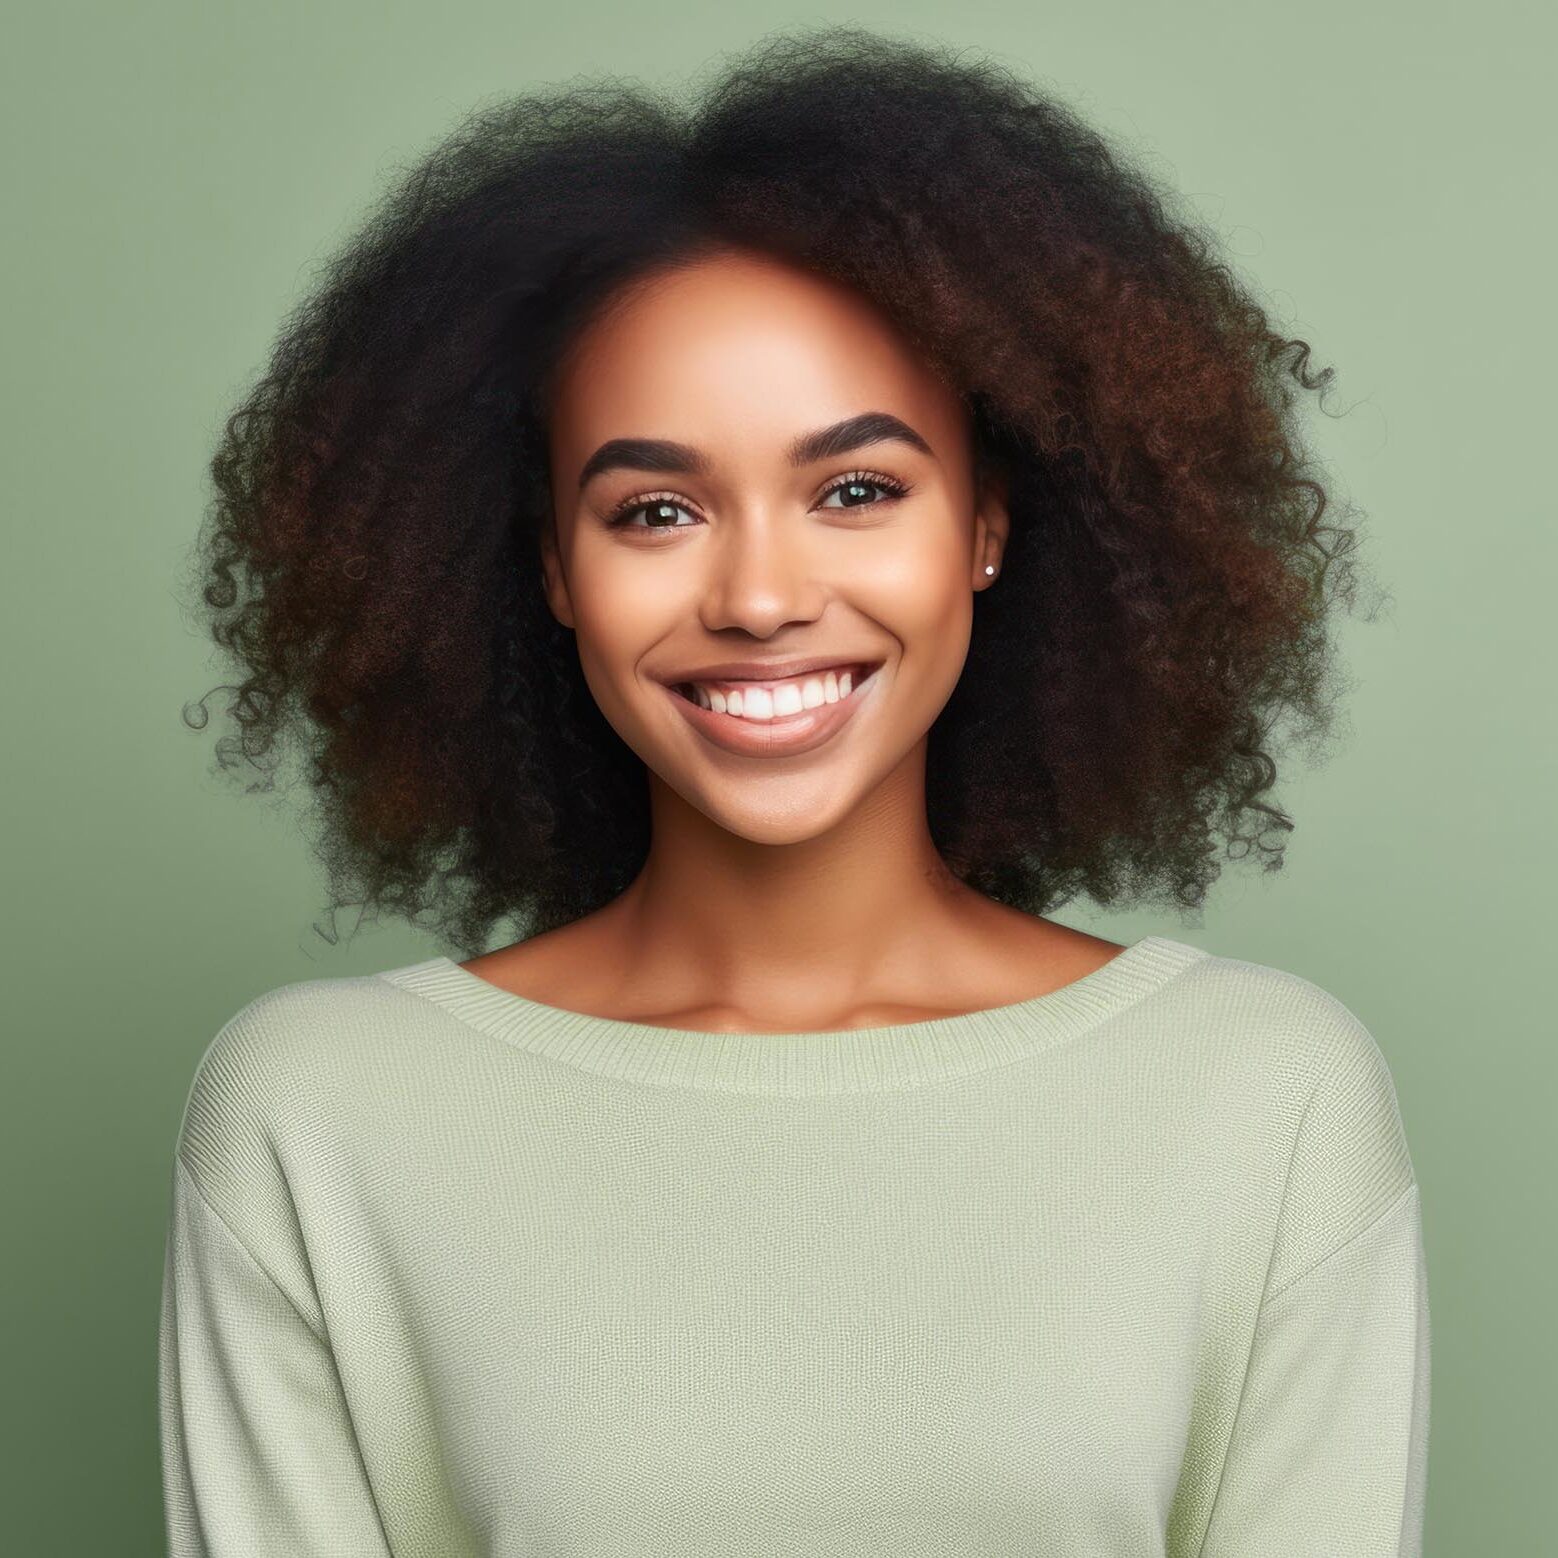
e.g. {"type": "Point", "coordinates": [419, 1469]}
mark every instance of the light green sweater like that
{"type": "Point", "coordinates": [1131, 1268]}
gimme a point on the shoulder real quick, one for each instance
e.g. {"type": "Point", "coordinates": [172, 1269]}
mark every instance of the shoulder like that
{"type": "Point", "coordinates": [292, 1030]}
{"type": "Point", "coordinates": [1282, 1020]}
{"type": "Point", "coordinates": [282, 1068]}
{"type": "Point", "coordinates": [1294, 1054]}
{"type": "Point", "coordinates": [1336, 1122]}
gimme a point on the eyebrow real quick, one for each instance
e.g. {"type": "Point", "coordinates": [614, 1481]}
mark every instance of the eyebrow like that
{"type": "Point", "coordinates": [662, 454]}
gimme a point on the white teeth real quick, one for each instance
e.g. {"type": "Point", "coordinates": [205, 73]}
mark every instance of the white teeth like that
{"type": "Point", "coordinates": [790, 697]}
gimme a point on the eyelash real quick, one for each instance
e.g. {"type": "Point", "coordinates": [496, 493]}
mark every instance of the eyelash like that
{"type": "Point", "coordinates": [618, 517]}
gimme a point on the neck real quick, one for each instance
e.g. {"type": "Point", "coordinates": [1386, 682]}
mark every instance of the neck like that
{"type": "Point", "coordinates": [716, 921]}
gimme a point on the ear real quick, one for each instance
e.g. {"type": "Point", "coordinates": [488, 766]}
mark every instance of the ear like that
{"type": "Point", "coordinates": [553, 583]}
{"type": "Point", "coordinates": [992, 526]}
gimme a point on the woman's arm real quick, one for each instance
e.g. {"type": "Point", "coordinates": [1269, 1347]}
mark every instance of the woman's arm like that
{"type": "Point", "coordinates": [1328, 1453]}
{"type": "Point", "coordinates": [259, 1455]}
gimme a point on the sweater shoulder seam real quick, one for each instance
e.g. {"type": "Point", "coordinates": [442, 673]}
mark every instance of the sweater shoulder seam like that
{"type": "Point", "coordinates": [1373, 1223]}
{"type": "Point", "coordinates": [205, 1200]}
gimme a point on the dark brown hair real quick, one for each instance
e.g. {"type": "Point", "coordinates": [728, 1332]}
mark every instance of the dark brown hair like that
{"type": "Point", "coordinates": [371, 558]}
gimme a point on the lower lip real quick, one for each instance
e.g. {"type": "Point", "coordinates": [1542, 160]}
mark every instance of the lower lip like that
{"type": "Point", "coordinates": [786, 736]}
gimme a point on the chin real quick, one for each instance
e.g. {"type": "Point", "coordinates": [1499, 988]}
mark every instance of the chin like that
{"type": "Point", "coordinates": [777, 810]}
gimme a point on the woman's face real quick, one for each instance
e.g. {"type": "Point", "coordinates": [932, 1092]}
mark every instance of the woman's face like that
{"type": "Point", "coordinates": [712, 530]}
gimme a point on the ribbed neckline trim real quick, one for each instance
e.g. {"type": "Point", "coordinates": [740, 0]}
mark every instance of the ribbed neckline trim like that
{"type": "Point", "coordinates": [849, 1060]}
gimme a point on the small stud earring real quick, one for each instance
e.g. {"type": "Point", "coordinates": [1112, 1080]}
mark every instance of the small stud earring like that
{"type": "Point", "coordinates": [989, 567]}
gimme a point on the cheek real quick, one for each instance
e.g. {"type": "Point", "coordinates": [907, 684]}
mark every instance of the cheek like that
{"type": "Point", "coordinates": [611, 648]}
{"type": "Point", "coordinates": [919, 590]}
{"type": "Point", "coordinates": [618, 614]}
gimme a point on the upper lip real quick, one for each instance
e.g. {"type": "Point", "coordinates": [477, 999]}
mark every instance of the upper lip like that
{"type": "Point", "coordinates": [766, 670]}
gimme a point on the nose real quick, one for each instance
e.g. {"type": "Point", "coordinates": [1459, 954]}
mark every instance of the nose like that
{"type": "Point", "coordinates": [762, 574]}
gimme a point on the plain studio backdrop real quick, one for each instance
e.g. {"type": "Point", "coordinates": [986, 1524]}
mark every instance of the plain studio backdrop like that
{"type": "Point", "coordinates": [174, 172]}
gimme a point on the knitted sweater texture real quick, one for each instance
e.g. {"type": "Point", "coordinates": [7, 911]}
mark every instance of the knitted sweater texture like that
{"type": "Point", "coordinates": [1131, 1268]}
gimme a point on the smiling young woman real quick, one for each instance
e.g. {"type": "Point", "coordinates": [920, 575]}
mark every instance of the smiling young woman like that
{"type": "Point", "coordinates": [773, 555]}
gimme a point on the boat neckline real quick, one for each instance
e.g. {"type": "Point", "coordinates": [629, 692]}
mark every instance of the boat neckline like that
{"type": "Point", "coordinates": [813, 1060]}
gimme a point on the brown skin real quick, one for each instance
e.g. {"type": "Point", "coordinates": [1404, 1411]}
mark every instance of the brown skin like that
{"type": "Point", "coordinates": [784, 893]}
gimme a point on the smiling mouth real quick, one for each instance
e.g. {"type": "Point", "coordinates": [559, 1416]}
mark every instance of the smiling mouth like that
{"type": "Point", "coordinates": [761, 711]}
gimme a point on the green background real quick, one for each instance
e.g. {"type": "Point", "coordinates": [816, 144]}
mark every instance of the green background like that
{"type": "Point", "coordinates": [1383, 173]}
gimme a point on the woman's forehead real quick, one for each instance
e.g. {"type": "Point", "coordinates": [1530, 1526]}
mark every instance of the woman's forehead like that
{"type": "Point", "coordinates": [740, 352]}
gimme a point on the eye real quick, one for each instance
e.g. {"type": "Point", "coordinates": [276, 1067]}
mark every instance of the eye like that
{"type": "Point", "coordinates": [863, 481]}
{"type": "Point", "coordinates": [660, 508]}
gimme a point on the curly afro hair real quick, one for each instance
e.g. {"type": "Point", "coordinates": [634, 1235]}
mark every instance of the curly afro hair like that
{"type": "Point", "coordinates": [371, 555]}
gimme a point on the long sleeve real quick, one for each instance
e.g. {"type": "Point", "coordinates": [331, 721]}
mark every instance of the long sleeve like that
{"type": "Point", "coordinates": [1329, 1453]}
{"type": "Point", "coordinates": [259, 1455]}
{"type": "Point", "coordinates": [1328, 1456]}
